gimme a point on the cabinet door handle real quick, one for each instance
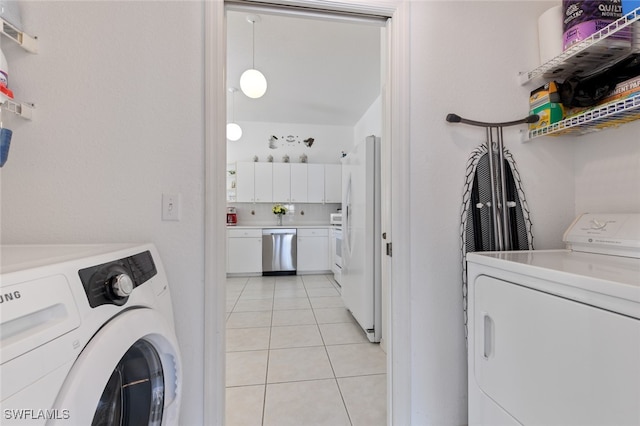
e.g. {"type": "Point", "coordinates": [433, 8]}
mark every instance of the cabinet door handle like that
{"type": "Point", "coordinates": [488, 335]}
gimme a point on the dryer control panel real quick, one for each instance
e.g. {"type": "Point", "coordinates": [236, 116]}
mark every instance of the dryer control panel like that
{"type": "Point", "coordinates": [113, 282]}
{"type": "Point", "coordinates": [605, 233]}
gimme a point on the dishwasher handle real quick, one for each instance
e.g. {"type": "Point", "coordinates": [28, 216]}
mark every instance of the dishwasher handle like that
{"type": "Point", "coordinates": [277, 231]}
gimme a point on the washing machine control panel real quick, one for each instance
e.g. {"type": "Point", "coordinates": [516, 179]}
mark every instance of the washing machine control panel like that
{"type": "Point", "coordinates": [113, 282]}
{"type": "Point", "coordinates": [121, 285]}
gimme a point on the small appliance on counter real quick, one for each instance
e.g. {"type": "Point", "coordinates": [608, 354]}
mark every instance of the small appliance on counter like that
{"type": "Point", "coordinates": [232, 216]}
{"type": "Point", "coordinates": [335, 219]}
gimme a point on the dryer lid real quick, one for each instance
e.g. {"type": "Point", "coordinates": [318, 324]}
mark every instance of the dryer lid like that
{"type": "Point", "coordinates": [616, 234]}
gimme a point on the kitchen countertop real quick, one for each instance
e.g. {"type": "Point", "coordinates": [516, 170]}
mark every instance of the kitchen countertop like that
{"type": "Point", "coordinates": [266, 226]}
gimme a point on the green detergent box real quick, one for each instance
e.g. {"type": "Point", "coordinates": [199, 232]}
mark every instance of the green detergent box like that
{"type": "Point", "coordinates": [545, 102]}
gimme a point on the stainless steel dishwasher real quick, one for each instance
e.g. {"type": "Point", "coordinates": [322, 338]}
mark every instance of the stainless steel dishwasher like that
{"type": "Point", "coordinates": [279, 251]}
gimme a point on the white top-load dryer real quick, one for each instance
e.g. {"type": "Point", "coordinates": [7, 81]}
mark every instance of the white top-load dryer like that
{"type": "Point", "coordinates": [554, 335]}
{"type": "Point", "coordinates": [87, 336]}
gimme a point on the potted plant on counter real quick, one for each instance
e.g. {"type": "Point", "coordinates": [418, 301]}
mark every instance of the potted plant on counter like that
{"type": "Point", "coordinates": [279, 210]}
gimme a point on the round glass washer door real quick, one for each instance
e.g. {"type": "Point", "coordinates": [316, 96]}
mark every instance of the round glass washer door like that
{"type": "Point", "coordinates": [128, 374]}
{"type": "Point", "coordinates": [136, 382]}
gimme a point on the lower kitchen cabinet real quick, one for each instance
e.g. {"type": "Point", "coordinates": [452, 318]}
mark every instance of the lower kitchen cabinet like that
{"type": "Point", "coordinates": [244, 251]}
{"type": "Point", "coordinates": [313, 250]}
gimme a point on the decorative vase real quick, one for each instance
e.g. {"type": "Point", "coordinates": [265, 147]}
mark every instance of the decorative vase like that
{"type": "Point", "coordinates": [279, 216]}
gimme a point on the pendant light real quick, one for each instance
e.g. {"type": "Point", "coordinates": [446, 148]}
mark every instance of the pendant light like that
{"type": "Point", "coordinates": [252, 82]}
{"type": "Point", "coordinates": [234, 131]}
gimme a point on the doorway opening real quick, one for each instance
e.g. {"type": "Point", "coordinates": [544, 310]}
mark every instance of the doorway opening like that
{"type": "Point", "coordinates": [395, 97]}
{"type": "Point", "coordinates": [287, 336]}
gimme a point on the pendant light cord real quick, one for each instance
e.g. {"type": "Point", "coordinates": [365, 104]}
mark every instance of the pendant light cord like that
{"type": "Point", "coordinates": [253, 45]}
{"type": "Point", "coordinates": [233, 107]}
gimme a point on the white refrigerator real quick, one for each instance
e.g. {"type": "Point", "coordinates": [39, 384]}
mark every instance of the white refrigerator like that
{"type": "Point", "coordinates": [361, 280]}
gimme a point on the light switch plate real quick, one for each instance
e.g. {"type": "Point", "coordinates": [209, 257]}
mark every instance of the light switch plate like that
{"type": "Point", "coordinates": [171, 207]}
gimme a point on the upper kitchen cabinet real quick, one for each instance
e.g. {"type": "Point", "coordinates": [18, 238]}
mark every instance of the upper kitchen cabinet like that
{"type": "Point", "coordinates": [245, 182]}
{"type": "Point", "coordinates": [282, 182]}
{"type": "Point", "coordinates": [600, 51]}
{"type": "Point", "coordinates": [254, 182]}
{"type": "Point", "coordinates": [286, 183]}
{"type": "Point", "coordinates": [299, 192]}
{"type": "Point", "coordinates": [263, 182]}
{"type": "Point", "coordinates": [315, 183]}
{"type": "Point", "coordinates": [333, 183]}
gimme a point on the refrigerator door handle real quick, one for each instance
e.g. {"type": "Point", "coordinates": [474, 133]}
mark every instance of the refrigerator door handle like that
{"type": "Point", "coordinates": [347, 218]}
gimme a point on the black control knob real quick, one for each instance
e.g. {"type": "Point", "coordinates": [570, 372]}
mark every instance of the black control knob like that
{"type": "Point", "coordinates": [121, 285]}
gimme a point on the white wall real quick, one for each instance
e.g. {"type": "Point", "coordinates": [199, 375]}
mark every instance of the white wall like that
{"type": "Point", "coordinates": [607, 168]}
{"type": "Point", "coordinates": [118, 88]}
{"type": "Point", "coordinates": [329, 142]}
{"type": "Point", "coordinates": [465, 57]}
{"type": "Point", "coordinates": [370, 123]}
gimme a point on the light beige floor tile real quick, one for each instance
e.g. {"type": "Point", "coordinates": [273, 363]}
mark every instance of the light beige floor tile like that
{"type": "Point", "coordinates": [327, 302]}
{"type": "Point", "coordinates": [291, 303]}
{"type": "Point", "coordinates": [315, 285]}
{"type": "Point", "coordinates": [290, 292]}
{"type": "Point", "coordinates": [295, 336]}
{"type": "Point", "coordinates": [261, 280]}
{"type": "Point", "coordinates": [250, 294]}
{"type": "Point", "coordinates": [318, 284]}
{"type": "Point", "coordinates": [296, 364]}
{"type": "Point", "coordinates": [365, 397]}
{"type": "Point", "coordinates": [338, 334]}
{"type": "Point", "coordinates": [244, 406]}
{"type": "Point", "coordinates": [315, 402]}
{"type": "Point", "coordinates": [248, 339]}
{"type": "Point", "coordinates": [249, 319]}
{"type": "Point", "coordinates": [288, 279]}
{"type": "Point", "coordinates": [246, 368]}
{"type": "Point", "coordinates": [253, 305]}
{"type": "Point", "coordinates": [233, 294]}
{"type": "Point", "coordinates": [322, 292]}
{"type": "Point", "coordinates": [314, 278]}
{"type": "Point", "coordinates": [236, 281]}
{"type": "Point", "coordinates": [289, 285]}
{"type": "Point", "coordinates": [259, 287]}
{"type": "Point", "coordinates": [357, 359]}
{"type": "Point", "coordinates": [333, 315]}
{"type": "Point", "coordinates": [293, 317]}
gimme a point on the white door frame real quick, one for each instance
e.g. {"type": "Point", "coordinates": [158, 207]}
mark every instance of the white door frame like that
{"type": "Point", "coordinates": [398, 100]}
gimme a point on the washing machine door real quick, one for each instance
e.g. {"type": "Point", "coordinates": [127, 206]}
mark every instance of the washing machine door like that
{"type": "Point", "coordinates": [128, 374]}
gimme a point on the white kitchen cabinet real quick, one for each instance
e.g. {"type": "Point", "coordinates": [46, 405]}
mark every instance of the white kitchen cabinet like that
{"type": "Point", "coordinates": [315, 183]}
{"type": "Point", "coordinates": [333, 183]}
{"type": "Point", "coordinates": [263, 182]}
{"type": "Point", "coordinates": [245, 182]}
{"type": "Point", "coordinates": [244, 251]}
{"type": "Point", "coordinates": [281, 182]}
{"type": "Point", "coordinates": [299, 183]}
{"type": "Point", "coordinates": [313, 250]}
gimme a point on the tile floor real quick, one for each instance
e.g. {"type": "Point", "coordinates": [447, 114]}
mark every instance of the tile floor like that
{"type": "Point", "coordinates": [295, 356]}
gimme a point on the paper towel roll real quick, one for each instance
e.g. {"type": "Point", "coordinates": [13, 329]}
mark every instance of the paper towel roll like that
{"type": "Point", "coordinates": [550, 34]}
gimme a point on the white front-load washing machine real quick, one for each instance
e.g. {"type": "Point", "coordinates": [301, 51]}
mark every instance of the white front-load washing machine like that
{"type": "Point", "coordinates": [554, 335]}
{"type": "Point", "coordinates": [87, 336]}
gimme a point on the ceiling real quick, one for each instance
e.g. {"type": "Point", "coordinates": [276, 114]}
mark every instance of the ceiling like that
{"type": "Point", "coordinates": [318, 71]}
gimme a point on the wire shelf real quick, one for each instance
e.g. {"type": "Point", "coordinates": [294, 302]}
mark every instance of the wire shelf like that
{"type": "Point", "coordinates": [602, 49]}
{"type": "Point", "coordinates": [27, 42]}
{"type": "Point", "coordinates": [612, 114]}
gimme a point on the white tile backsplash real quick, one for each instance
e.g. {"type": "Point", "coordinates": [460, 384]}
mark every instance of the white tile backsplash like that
{"type": "Point", "coordinates": [297, 214]}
